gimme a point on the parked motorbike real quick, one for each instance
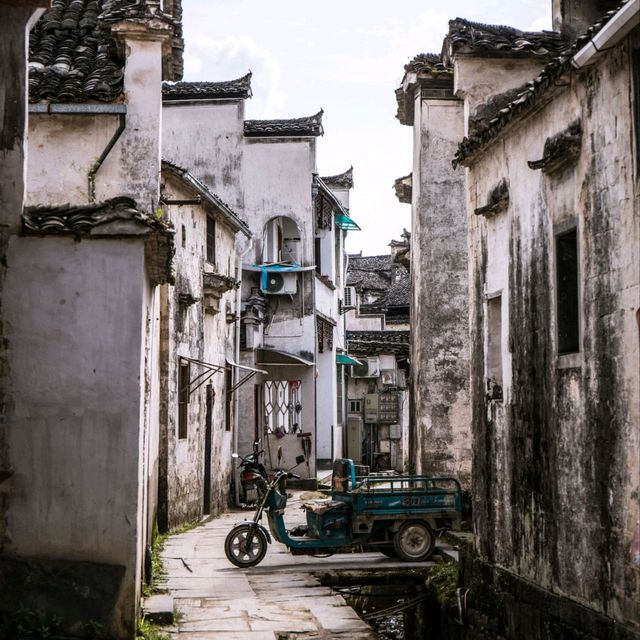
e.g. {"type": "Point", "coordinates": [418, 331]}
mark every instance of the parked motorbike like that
{"type": "Point", "coordinates": [253, 476]}
{"type": "Point", "coordinates": [395, 515]}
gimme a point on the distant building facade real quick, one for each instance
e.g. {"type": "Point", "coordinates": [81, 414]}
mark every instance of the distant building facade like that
{"type": "Point", "coordinates": [377, 323]}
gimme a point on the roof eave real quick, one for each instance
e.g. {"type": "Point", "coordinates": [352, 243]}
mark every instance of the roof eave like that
{"type": "Point", "coordinates": [227, 213]}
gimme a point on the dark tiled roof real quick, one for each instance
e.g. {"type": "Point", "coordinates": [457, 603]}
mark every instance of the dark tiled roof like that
{"type": "Point", "coordinates": [309, 126]}
{"type": "Point", "coordinates": [378, 342]}
{"type": "Point", "coordinates": [382, 278]}
{"type": "Point", "coordinates": [369, 272]}
{"type": "Point", "coordinates": [474, 37]}
{"type": "Point", "coordinates": [239, 88]}
{"type": "Point", "coordinates": [82, 219]}
{"type": "Point", "coordinates": [530, 95]}
{"type": "Point", "coordinates": [72, 58]}
{"type": "Point", "coordinates": [225, 210]}
{"type": "Point", "coordinates": [427, 63]}
{"type": "Point", "coordinates": [435, 78]}
{"type": "Point", "coordinates": [344, 180]}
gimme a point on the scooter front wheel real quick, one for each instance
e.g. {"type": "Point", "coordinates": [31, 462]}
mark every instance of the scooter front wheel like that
{"type": "Point", "coordinates": [245, 545]}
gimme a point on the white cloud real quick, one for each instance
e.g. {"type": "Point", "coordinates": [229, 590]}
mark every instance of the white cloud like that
{"type": "Point", "coordinates": [207, 58]}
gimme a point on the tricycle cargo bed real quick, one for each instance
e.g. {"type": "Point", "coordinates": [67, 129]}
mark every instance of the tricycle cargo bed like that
{"type": "Point", "coordinates": [398, 497]}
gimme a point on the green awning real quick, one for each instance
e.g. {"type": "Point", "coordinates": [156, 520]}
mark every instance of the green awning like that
{"type": "Point", "coordinates": [343, 358]}
{"type": "Point", "coordinates": [345, 222]}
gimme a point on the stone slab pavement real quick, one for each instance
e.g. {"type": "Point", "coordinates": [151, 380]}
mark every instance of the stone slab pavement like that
{"type": "Point", "coordinates": [279, 599]}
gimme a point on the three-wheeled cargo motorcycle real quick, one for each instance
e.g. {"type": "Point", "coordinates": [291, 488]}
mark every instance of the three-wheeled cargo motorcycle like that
{"type": "Point", "coordinates": [396, 515]}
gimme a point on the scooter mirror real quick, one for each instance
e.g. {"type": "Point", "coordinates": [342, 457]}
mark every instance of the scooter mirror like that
{"type": "Point", "coordinates": [299, 460]}
{"type": "Point", "coordinates": [235, 455]}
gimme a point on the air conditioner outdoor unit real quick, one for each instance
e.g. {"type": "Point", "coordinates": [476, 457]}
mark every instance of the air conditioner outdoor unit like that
{"type": "Point", "coordinates": [369, 368]}
{"type": "Point", "coordinates": [349, 298]}
{"type": "Point", "coordinates": [281, 283]}
{"type": "Point", "coordinates": [388, 377]}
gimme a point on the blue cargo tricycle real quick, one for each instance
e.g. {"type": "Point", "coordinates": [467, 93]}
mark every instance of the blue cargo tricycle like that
{"type": "Point", "coordinates": [395, 515]}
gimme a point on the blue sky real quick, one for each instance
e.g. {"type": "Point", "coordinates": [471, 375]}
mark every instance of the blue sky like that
{"type": "Point", "coordinates": [344, 56]}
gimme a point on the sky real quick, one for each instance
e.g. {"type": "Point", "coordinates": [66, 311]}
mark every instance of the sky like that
{"type": "Point", "coordinates": [347, 57]}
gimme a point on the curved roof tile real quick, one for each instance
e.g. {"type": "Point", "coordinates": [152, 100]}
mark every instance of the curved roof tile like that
{"type": "Point", "coordinates": [308, 126]}
{"type": "Point", "coordinates": [530, 95]}
{"type": "Point", "coordinates": [238, 88]}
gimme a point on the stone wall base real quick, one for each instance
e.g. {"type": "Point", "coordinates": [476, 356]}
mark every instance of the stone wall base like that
{"type": "Point", "coordinates": [502, 606]}
{"type": "Point", "coordinates": [82, 596]}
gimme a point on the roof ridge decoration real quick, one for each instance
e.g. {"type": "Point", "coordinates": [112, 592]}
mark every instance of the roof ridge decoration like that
{"type": "Point", "coordinates": [344, 179]}
{"type": "Point", "coordinates": [530, 95]}
{"type": "Point", "coordinates": [302, 127]}
{"type": "Point", "coordinates": [116, 10]}
{"type": "Point", "coordinates": [404, 188]}
{"type": "Point", "coordinates": [239, 88]}
{"type": "Point", "coordinates": [466, 36]}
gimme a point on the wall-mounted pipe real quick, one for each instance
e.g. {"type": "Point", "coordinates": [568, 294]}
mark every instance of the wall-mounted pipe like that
{"type": "Point", "coordinates": [91, 176]}
{"type": "Point", "coordinates": [626, 19]}
{"type": "Point", "coordinates": [88, 110]}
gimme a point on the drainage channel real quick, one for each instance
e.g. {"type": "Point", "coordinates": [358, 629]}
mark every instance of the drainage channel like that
{"type": "Point", "coordinates": [398, 604]}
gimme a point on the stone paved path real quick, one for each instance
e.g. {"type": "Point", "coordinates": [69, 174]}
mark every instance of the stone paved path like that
{"type": "Point", "coordinates": [279, 599]}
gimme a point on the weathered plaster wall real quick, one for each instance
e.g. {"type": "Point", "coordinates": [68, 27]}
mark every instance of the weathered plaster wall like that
{"type": "Point", "coordinates": [132, 166]}
{"type": "Point", "coordinates": [439, 282]}
{"type": "Point", "coordinates": [277, 174]}
{"type": "Point", "coordinates": [74, 404]}
{"type": "Point", "coordinates": [557, 464]}
{"type": "Point", "coordinates": [476, 79]}
{"type": "Point", "coordinates": [13, 85]}
{"type": "Point", "coordinates": [190, 332]}
{"type": "Point", "coordinates": [207, 139]}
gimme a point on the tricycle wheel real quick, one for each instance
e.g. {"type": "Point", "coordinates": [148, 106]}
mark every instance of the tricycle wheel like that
{"type": "Point", "coordinates": [414, 541]}
{"type": "Point", "coordinates": [245, 545]}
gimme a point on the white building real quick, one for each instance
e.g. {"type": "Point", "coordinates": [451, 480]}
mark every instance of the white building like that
{"type": "Point", "coordinates": [293, 272]}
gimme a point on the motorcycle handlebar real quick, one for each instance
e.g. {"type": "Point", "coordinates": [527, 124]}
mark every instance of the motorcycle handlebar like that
{"type": "Point", "coordinates": [293, 475]}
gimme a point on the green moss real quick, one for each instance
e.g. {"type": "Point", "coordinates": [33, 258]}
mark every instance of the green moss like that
{"type": "Point", "coordinates": [149, 631]}
{"type": "Point", "coordinates": [443, 579]}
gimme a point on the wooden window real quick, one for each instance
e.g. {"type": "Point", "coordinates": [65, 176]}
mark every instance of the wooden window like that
{"type": "Point", "coordinates": [567, 304]}
{"type": "Point", "coordinates": [317, 248]}
{"type": "Point", "coordinates": [183, 399]}
{"type": "Point", "coordinates": [494, 340]}
{"type": "Point", "coordinates": [211, 240]}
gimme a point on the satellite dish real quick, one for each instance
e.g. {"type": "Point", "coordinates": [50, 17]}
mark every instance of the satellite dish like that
{"type": "Point", "coordinates": [275, 282]}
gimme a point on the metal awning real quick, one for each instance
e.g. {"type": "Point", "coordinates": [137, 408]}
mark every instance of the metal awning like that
{"type": "Point", "coordinates": [343, 358]}
{"type": "Point", "coordinates": [345, 222]}
{"type": "Point", "coordinates": [252, 372]}
{"type": "Point", "coordinates": [209, 370]}
{"type": "Point", "coordinates": [273, 357]}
